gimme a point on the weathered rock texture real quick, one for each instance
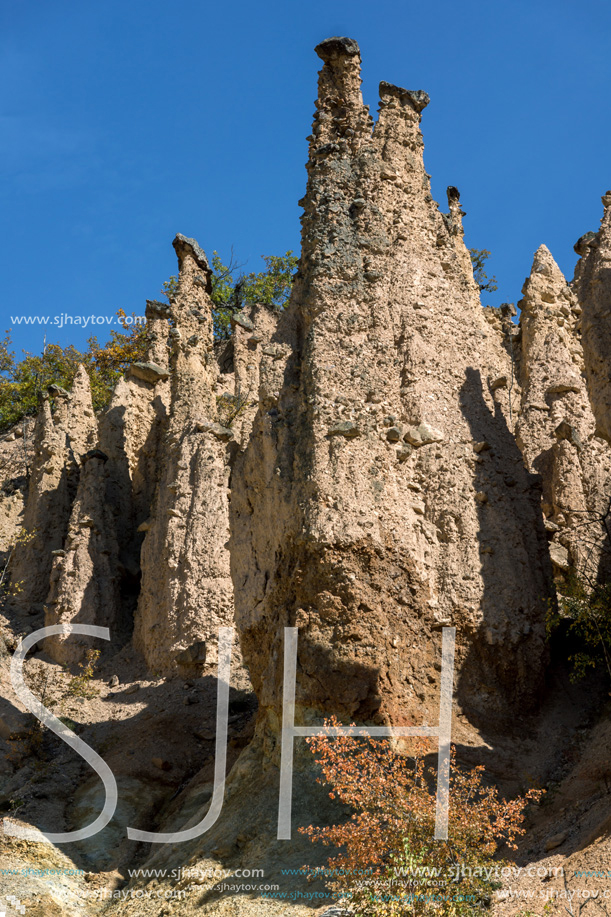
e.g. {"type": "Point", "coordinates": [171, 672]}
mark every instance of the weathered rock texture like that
{"type": "Point", "coordinates": [381, 459]}
{"type": "Point", "coordinates": [371, 433]}
{"type": "Point", "coordinates": [94, 560]}
{"type": "Point", "coordinates": [85, 576]}
{"type": "Point", "coordinates": [593, 287]}
{"type": "Point", "coordinates": [131, 434]}
{"type": "Point", "coordinates": [556, 429]}
{"type": "Point", "coordinates": [186, 586]}
{"type": "Point", "coordinates": [253, 331]}
{"type": "Point", "coordinates": [60, 438]}
{"type": "Point", "coordinates": [382, 494]}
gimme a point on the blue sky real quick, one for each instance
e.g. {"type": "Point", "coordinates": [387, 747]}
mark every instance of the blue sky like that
{"type": "Point", "coordinates": [122, 123]}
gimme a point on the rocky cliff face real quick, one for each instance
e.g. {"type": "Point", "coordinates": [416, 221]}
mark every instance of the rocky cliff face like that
{"type": "Point", "coordinates": [395, 452]}
{"type": "Point", "coordinates": [186, 587]}
{"type": "Point", "coordinates": [382, 494]}
{"type": "Point", "coordinates": [379, 460]}
{"type": "Point", "coordinates": [593, 287]}
{"type": "Point", "coordinates": [59, 441]}
{"type": "Point", "coordinates": [556, 429]}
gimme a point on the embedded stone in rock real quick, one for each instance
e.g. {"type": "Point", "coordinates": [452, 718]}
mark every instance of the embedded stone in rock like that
{"type": "Point", "coordinates": [114, 681]}
{"type": "Point", "coordinates": [184, 246]}
{"type": "Point", "coordinates": [205, 735]}
{"type": "Point", "coordinates": [559, 556]}
{"type": "Point", "coordinates": [559, 388]}
{"type": "Point", "coordinates": [481, 447]}
{"type": "Point", "coordinates": [56, 391]}
{"type": "Point", "coordinates": [499, 382]}
{"type": "Point", "coordinates": [393, 435]}
{"type": "Point", "coordinates": [162, 764]}
{"type": "Point", "coordinates": [404, 451]}
{"type": "Point", "coordinates": [453, 194]}
{"type": "Point", "coordinates": [238, 319]}
{"type": "Point", "coordinates": [333, 48]}
{"type": "Point", "coordinates": [159, 309]}
{"type": "Point", "coordinates": [555, 841]}
{"type": "Point", "coordinates": [346, 428]}
{"type": "Point", "coordinates": [565, 430]}
{"type": "Point", "coordinates": [417, 99]}
{"type": "Point", "coordinates": [423, 435]}
{"type": "Point", "coordinates": [94, 454]}
{"type": "Point", "coordinates": [481, 497]}
{"type": "Point", "coordinates": [149, 372]}
{"type": "Point", "coordinates": [217, 429]}
{"type": "Point", "coordinates": [193, 655]}
{"type": "Point", "coordinates": [583, 243]}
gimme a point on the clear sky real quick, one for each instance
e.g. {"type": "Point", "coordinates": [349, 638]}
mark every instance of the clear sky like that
{"type": "Point", "coordinates": [122, 123]}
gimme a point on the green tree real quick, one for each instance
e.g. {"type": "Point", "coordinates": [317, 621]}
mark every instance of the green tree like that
{"type": "Point", "coordinates": [22, 380]}
{"type": "Point", "coordinates": [585, 611]}
{"type": "Point", "coordinates": [233, 290]}
{"type": "Point", "coordinates": [479, 256]}
{"type": "Point", "coordinates": [582, 609]}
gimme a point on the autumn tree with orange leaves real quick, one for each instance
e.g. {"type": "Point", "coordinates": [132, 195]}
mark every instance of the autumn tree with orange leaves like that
{"type": "Point", "coordinates": [390, 864]}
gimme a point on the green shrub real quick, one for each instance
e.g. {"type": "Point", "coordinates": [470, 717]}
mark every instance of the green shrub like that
{"type": "Point", "coordinates": [585, 611]}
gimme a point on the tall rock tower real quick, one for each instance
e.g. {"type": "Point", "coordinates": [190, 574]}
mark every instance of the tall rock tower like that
{"type": "Point", "coordinates": [557, 430]}
{"type": "Point", "coordinates": [382, 494]}
{"type": "Point", "coordinates": [592, 284]}
{"type": "Point", "coordinates": [60, 438]}
{"type": "Point", "coordinates": [186, 586]}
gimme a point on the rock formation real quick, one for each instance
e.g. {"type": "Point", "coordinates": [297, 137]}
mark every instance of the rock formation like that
{"type": "Point", "coordinates": [131, 435]}
{"type": "Point", "coordinates": [593, 287]}
{"type": "Point", "coordinates": [95, 572]}
{"type": "Point", "coordinates": [85, 573]}
{"type": "Point", "coordinates": [556, 429]}
{"type": "Point", "coordinates": [60, 439]}
{"type": "Point", "coordinates": [186, 587]}
{"type": "Point", "coordinates": [378, 460]}
{"type": "Point", "coordinates": [382, 494]}
{"type": "Point", "coordinates": [370, 435]}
